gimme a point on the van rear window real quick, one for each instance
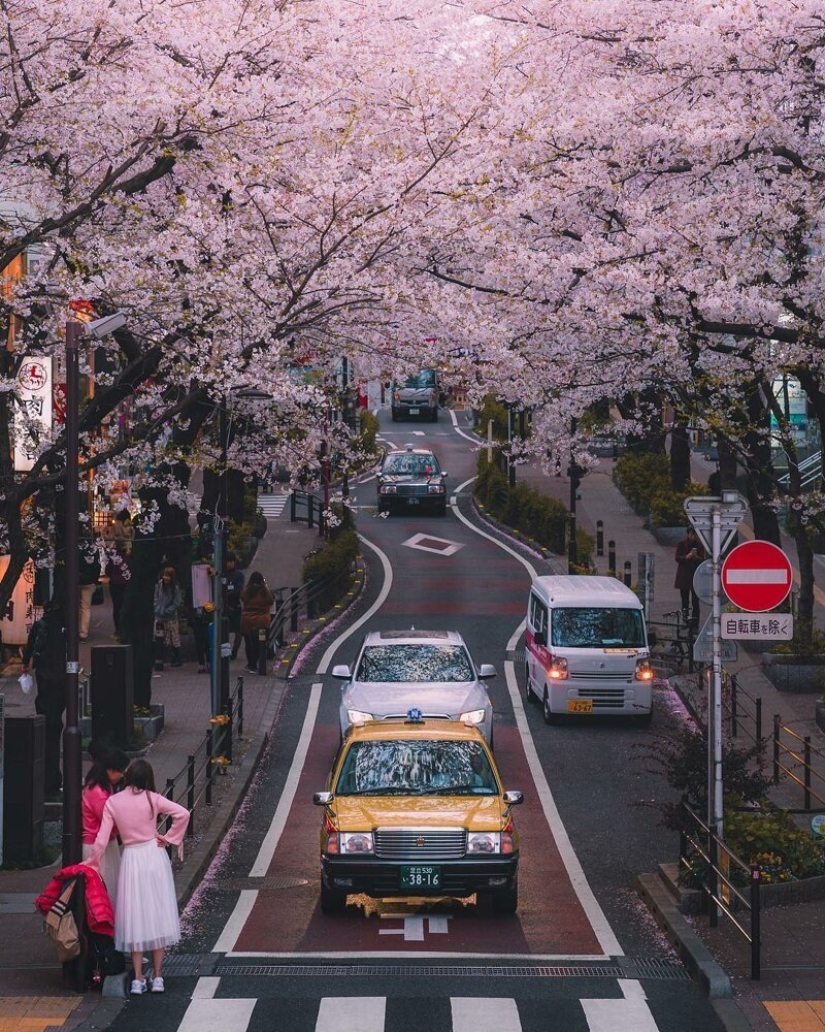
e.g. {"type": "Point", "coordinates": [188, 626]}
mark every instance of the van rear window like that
{"type": "Point", "coordinates": [597, 628]}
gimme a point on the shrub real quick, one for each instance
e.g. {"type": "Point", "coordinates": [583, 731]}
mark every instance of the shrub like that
{"type": "Point", "coordinates": [524, 509]}
{"type": "Point", "coordinates": [667, 507]}
{"type": "Point", "coordinates": [331, 564]}
{"type": "Point", "coordinates": [366, 441]}
{"type": "Point", "coordinates": [771, 840]}
{"type": "Point", "coordinates": [640, 476]}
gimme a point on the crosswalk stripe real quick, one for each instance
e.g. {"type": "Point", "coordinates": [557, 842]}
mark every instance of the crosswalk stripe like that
{"type": "Point", "coordinates": [272, 505]}
{"type": "Point", "coordinates": [484, 1014]}
{"type": "Point", "coordinates": [364, 1013]}
{"type": "Point", "coordinates": [217, 1016]}
{"type": "Point", "coordinates": [618, 1016]}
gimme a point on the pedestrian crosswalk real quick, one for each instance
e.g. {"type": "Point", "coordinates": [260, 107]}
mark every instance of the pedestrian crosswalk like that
{"type": "Point", "coordinates": [272, 505]}
{"type": "Point", "coordinates": [208, 1008]}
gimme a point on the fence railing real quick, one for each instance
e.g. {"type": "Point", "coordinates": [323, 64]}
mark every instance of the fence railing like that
{"type": "Point", "coordinates": [307, 508]}
{"type": "Point", "coordinates": [291, 603]}
{"type": "Point", "coordinates": [794, 759]}
{"type": "Point", "coordinates": [730, 885]}
{"type": "Point", "coordinates": [194, 784]}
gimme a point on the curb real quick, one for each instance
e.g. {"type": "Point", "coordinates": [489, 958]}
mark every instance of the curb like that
{"type": "Point", "coordinates": [692, 951]}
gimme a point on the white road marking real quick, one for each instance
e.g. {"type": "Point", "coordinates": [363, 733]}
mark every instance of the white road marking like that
{"type": "Point", "coordinates": [364, 1013]}
{"type": "Point", "coordinates": [217, 1016]}
{"type": "Point", "coordinates": [206, 987]}
{"type": "Point", "coordinates": [237, 919]}
{"type": "Point", "coordinates": [415, 925]}
{"type": "Point", "coordinates": [484, 1014]}
{"type": "Point", "coordinates": [619, 1015]}
{"type": "Point", "coordinates": [418, 541]}
{"type": "Point", "coordinates": [276, 828]}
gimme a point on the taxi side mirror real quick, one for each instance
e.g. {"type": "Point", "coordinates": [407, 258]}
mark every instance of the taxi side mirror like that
{"type": "Point", "coordinates": [513, 798]}
{"type": "Point", "coordinates": [322, 798]}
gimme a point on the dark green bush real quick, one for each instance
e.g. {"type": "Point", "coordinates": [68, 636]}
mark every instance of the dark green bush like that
{"type": "Point", "coordinates": [640, 476]}
{"type": "Point", "coordinates": [667, 507]}
{"type": "Point", "coordinates": [523, 508]}
{"type": "Point", "coordinates": [331, 564]}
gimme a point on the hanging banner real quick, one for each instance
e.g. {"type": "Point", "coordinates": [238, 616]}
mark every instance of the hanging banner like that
{"type": "Point", "coordinates": [33, 411]}
{"type": "Point", "coordinates": [19, 615]}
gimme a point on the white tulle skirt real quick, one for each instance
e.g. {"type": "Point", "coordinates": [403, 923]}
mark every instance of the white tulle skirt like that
{"type": "Point", "coordinates": [146, 907]}
{"type": "Point", "coordinates": [109, 866]}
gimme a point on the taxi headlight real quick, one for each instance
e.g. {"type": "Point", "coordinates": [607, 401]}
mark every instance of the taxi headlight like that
{"type": "Point", "coordinates": [388, 489]}
{"type": "Point", "coordinates": [473, 716]}
{"type": "Point", "coordinates": [484, 842]}
{"type": "Point", "coordinates": [357, 716]}
{"type": "Point", "coordinates": [436, 488]}
{"type": "Point", "coordinates": [355, 842]}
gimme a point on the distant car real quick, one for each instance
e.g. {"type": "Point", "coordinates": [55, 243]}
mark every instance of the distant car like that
{"type": "Point", "coordinates": [426, 670]}
{"type": "Point", "coordinates": [419, 395]}
{"type": "Point", "coordinates": [417, 808]}
{"type": "Point", "coordinates": [412, 479]}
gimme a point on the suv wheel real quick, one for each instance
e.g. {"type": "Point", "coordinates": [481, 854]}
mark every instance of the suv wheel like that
{"type": "Point", "coordinates": [529, 697]}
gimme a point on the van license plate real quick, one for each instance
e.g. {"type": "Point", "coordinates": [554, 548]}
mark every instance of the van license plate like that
{"type": "Point", "coordinates": [579, 705]}
{"type": "Point", "coordinates": [413, 411]}
{"type": "Point", "coordinates": [420, 877]}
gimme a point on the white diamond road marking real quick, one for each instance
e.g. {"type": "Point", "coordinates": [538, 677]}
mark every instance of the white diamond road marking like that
{"type": "Point", "coordinates": [444, 547]}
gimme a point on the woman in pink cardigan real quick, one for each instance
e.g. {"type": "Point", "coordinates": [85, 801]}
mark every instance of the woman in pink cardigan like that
{"type": "Point", "coordinates": [146, 907]}
{"type": "Point", "coordinates": [100, 784]}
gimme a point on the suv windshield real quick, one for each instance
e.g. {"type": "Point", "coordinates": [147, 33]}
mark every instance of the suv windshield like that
{"type": "Point", "coordinates": [597, 628]}
{"type": "Point", "coordinates": [406, 464]}
{"type": "Point", "coordinates": [416, 768]}
{"type": "Point", "coordinates": [414, 663]}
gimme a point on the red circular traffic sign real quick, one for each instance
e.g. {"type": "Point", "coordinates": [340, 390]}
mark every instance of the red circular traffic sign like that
{"type": "Point", "coordinates": [757, 576]}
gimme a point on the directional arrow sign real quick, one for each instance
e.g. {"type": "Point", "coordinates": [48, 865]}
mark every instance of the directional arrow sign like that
{"type": "Point", "coordinates": [757, 576]}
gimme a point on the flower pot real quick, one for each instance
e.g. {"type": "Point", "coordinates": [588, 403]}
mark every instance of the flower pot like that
{"type": "Point", "coordinates": [789, 673]}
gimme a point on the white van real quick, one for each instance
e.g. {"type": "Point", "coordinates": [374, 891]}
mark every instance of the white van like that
{"type": "Point", "coordinates": [587, 649]}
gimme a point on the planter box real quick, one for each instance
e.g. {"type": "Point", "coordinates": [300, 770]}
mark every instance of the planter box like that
{"type": "Point", "coordinates": [820, 715]}
{"type": "Point", "coordinates": [789, 673]}
{"type": "Point", "coordinates": [152, 726]}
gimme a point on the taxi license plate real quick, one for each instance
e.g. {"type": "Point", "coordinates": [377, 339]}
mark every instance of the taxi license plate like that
{"type": "Point", "coordinates": [413, 411]}
{"type": "Point", "coordinates": [420, 877]}
{"type": "Point", "coordinates": [579, 705]}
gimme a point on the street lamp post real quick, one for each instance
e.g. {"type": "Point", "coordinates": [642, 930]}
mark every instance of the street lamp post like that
{"type": "Point", "coordinates": [72, 741]}
{"type": "Point", "coordinates": [72, 744]}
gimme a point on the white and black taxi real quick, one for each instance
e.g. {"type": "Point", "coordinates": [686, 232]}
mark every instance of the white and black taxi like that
{"type": "Point", "coordinates": [412, 479]}
{"type": "Point", "coordinates": [416, 808]}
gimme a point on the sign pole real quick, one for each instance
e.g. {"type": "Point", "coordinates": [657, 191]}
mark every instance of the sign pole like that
{"type": "Point", "coordinates": [715, 785]}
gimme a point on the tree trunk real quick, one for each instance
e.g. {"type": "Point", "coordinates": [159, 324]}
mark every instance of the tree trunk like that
{"type": "Point", "coordinates": [679, 457]}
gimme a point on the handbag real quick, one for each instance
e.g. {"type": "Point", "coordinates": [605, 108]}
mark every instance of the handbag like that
{"type": "Point", "coordinates": [60, 925]}
{"type": "Point", "coordinates": [97, 595]}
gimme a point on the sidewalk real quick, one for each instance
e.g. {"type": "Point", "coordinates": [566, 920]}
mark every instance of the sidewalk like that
{"type": "Point", "coordinates": [30, 978]}
{"type": "Point", "coordinates": [792, 986]}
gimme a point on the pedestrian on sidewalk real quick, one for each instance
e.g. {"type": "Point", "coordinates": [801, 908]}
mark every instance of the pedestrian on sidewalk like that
{"type": "Point", "coordinates": [45, 651]}
{"type": "Point", "coordinates": [689, 556]}
{"type": "Point", "coordinates": [257, 601]}
{"type": "Point", "coordinates": [100, 783]}
{"type": "Point", "coordinates": [89, 575]}
{"type": "Point", "coordinates": [146, 907]}
{"type": "Point", "coordinates": [233, 586]}
{"type": "Point", "coordinates": [168, 598]}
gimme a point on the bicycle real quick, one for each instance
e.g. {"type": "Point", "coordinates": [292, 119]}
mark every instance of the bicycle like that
{"type": "Point", "coordinates": [680, 646]}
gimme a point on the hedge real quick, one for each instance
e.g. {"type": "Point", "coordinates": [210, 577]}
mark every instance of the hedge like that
{"type": "Point", "coordinates": [333, 561]}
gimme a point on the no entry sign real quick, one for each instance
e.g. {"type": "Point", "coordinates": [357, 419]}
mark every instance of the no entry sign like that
{"type": "Point", "coordinates": [757, 576]}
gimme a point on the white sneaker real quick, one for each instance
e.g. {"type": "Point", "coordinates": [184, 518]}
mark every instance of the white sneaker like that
{"type": "Point", "coordinates": [138, 986]}
{"type": "Point", "coordinates": [157, 985]}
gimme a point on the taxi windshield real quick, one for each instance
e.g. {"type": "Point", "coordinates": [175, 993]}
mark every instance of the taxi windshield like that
{"type": "Point", "coordinates": [417, 662]}
{"type": "Point", "coordinates": [406, 464]}
{"type": "Point", "coordinates": [597, 628]}
{"type": "Point", "coordinates": [420, 767]}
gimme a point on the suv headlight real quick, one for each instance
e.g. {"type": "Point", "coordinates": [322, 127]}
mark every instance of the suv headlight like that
{"type": "Point", "coordinates": [473, 716]}
{"type": "Point", "coordinates": [357, 716]}
{"type": "Point", "coordinates": [644, 671]}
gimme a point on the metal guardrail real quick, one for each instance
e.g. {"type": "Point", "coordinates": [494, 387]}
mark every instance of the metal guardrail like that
{"type": "Point", "coordinates": [794, 758]}
{"type": "Point", "coordinates": [290, 603]}
{"type": "Point", "coordinates": [810, 470]}
{"type": "Point", "coordinates": [717, 875]}
{"type": "Point", "coordinates": [193, 785]}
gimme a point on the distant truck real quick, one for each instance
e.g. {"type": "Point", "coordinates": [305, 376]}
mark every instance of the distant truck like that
{"type": "Point", "coordinates": [419, 395]}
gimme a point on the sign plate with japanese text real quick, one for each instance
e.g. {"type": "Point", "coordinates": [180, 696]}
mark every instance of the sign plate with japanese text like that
{"type": "Point", "coordinates": [756, 626]}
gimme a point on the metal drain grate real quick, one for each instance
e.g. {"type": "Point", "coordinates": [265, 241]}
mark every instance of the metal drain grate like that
{"type": "Point", "coordinates": [186, 963]}
{"type": "Point", "coordinates": [377, 970]}
{"type": "Point", "coordinates": [630, 967]}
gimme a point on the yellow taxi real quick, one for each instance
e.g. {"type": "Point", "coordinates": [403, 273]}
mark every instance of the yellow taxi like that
{"type": "Point", "coordinates": [416, 808]}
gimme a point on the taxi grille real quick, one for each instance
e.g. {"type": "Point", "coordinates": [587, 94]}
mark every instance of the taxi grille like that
{"type": "Point", "coordinates": [420, 843]}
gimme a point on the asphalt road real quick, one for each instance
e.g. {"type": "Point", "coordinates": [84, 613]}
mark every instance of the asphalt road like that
{"type": "Point", "coordinates": [581, 953]}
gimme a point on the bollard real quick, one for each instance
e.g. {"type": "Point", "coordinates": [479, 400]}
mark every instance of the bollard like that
{"type": "Point", "coordinates": [159, 644]}
{"type": "Point", "coordinates": [628, 573]}
{"type": "Point", "coordinates": [611, 556]}
{"type": "Point", "coordinates": [263, 645]}
{"type": "Point", "coordinates": [599, 537]}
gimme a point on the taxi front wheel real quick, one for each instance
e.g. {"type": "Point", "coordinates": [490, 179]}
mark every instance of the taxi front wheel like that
{"type": "Point", "coordinates": [333, 901]}
{"type": "Point", "coordinates": [505, 901]}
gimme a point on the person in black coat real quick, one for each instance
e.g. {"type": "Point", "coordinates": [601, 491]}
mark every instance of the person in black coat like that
{"type": "Point", "coordinates": [45, 651]}
{"type": "Point", "coordinates": [234, 582]}
{"type": "Point", "coordinates": [89, 574]}
{"type": "Point", "coordinates": [689, 556]}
